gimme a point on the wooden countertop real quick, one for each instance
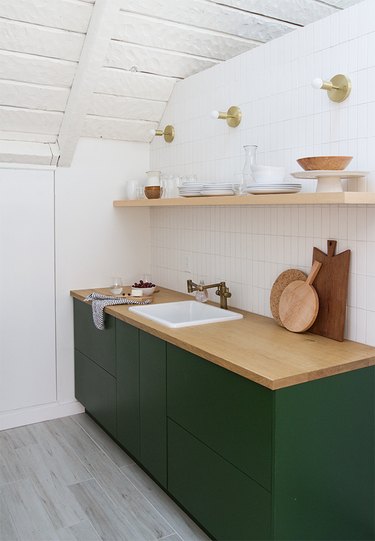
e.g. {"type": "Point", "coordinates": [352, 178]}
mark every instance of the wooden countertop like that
{"type": "Point", "coordinates": [254, 347]}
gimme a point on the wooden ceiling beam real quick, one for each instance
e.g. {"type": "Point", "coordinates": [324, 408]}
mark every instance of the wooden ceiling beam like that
{"type": "Point", "coordinates": [35, 69]}
{"type": "Point", "coordinates": [211, 16]}
{"type": "Point", "coordinates": [91, 61]}
{"type": "Point", "coordinates": [164, 35]}
{"type": "Point", "coordinates": [39, 40]}
{"type": "Point", "coordinates": [339, 4]}
{"type": "Point", "coordinates": [148, 60]}
{"type": "Point", "coordinates": [31, 96]}
{"type": "Point", "coordinates": [115, 128]}
{"type": "Point", "coordinates": [126, 108]}
{"type": "Point", "coordinates": [121, 82]}
{"type": "Point", "coordinates": [63, 14]}
{"type": "Point", "coordinates": [300, 12]}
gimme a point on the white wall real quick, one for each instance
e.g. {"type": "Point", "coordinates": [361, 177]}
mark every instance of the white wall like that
{"type": "Point", "coordinates": [27, 327]}
{"type": "Point", "coordinates": [59, 231]}
{"type": "Point", "coordinates": [287, 119]}
{"type": "Point", "coordinates": [95, 241]}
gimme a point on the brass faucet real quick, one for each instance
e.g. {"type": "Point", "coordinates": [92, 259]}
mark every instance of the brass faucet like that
{"type": "Point", "coordinates": [222, 290]}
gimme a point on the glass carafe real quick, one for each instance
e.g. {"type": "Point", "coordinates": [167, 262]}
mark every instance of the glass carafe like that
{"type": "Point", "coordinates": [250, 160]}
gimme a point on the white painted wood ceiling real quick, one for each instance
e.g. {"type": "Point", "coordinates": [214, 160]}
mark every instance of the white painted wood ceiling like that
{"type": "Point", "coordinates": [71, 68]}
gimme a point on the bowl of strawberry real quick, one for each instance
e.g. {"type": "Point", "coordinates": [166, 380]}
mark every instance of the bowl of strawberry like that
{"type": "Point", "coordinates": [143, 289]}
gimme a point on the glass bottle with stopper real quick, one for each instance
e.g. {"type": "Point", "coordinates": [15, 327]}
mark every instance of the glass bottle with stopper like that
{"type": "Point", "coordinates": [250, 160]}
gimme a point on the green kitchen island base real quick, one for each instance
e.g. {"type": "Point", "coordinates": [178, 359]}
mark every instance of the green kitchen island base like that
{"type": "Point", "coordinates": [246, 462]}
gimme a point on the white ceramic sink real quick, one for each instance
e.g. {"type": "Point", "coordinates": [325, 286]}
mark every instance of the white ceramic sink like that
{"type": "Point", "coordinates": [184, 313]}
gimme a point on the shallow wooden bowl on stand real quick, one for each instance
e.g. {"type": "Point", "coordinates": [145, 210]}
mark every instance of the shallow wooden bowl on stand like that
{"type": "Point", "coordinates": [327, 163]}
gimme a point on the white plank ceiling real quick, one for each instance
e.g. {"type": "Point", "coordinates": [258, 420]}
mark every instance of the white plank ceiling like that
{"type": "Point", "coordinates": [106, 68]}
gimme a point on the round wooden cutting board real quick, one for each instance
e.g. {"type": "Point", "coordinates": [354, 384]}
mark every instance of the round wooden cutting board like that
{"type": "Point", "coordinates": [299, 303]}
{"type": "Point", "coordinates": [281, 282]}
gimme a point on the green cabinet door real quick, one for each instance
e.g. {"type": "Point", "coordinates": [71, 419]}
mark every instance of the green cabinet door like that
{"type": "Point", "coordinates": [324, 475]}
{"type": "Point", "coordinates": [153, 415]}
{"type": "Point", "coordinates": [96, 390]}
{"type": "Point", "coordinates": [229, 505]}
{"type": "Point", "coordinates": [227, 412]}
{"type": "Point", "coordinates": [97, 345]}
{"type": "Point", "coordinates": [127, 369]}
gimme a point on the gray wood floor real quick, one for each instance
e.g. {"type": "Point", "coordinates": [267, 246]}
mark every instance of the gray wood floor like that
{"type": "Point", "coordinates": [67, 480]}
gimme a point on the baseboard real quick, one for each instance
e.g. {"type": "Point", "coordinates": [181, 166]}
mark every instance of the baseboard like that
{"type": "Point", "coordinates": [36, 414]}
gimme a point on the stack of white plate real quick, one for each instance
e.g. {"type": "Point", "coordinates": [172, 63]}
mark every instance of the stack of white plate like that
{"type": "Point", "coordinates": [190, 189]}
{"type": "Point", "coordinates": [218, 188]}
{"type": "Point", "coordinates": [280, 187]}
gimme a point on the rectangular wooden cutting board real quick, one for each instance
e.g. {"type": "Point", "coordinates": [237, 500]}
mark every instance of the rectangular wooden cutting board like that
{"type": "Point", "coordinates": [331, 284]}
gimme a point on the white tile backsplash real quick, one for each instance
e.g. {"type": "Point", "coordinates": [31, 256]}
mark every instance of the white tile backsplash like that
{"type": "Point", "coordinates": [248, 247]}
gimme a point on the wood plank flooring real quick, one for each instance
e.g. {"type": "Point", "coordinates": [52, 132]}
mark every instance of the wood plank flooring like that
{"type": "Point", "coordinates": [66, 480]}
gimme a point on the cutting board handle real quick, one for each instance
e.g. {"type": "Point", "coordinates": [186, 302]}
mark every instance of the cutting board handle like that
{"type": "Point", "coordinates": [331, 247]}
{"type": "Point", "coordinates": [313, 273]}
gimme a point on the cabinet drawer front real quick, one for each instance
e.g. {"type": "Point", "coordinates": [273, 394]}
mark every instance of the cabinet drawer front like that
{"type": "Point", "coordinates": [127, 370]}
{"type": "Point", "coordinates": [230, 414]}
{"type": "Point", "coordinates": [153, 409]}
{"type": "Point", "coordinates": [97, 345]}
{"type": "Point", "coordinates": [221, 498]}
{"type": "Point", "coordinates": [96, 390]}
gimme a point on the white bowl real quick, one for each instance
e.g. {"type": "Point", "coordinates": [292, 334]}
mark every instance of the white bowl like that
{"type": "Point", "coordinates": [268, 173]}
{"type": "Point", "coordinates": [142, 291]}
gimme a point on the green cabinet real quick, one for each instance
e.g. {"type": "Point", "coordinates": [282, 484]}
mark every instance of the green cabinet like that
{"type": "Point", "coordinates": [153, 416]}
{"type": "Point", "coordinates": [220, 497]}
{"type": "Point", "coordinates": [247, 463]}
{"type": "Point", "coordinates": [230, 414]}
{"type": "Point", "coordinates": [127, 368]}
{"type": "Point", "coordinates": [141, 398]}
{"type": "Point", "coordinates": [96, 390]}
{"type": "Point", "coordinates": [120, 378]}
{"type": "Point", "coordinates": [310, 456]}
{"type": "Point", "coordinates": [96, 345]}
{"type": "Point", "coordinates": [324, 478]}
{"type": "Point", "coordinates": [94, 366]}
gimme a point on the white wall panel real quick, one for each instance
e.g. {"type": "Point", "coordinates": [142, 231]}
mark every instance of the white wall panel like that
{"type": "Point", "coordinates": [125, 56]}
{"type": "Point", "coordinates": [27, 325]}
{"type": "Point", "coordinates": [65, 14]}
{"type": "Point", "coordinates": [211, 16]}
{"type": "Point", "coordinates": [32, 96]}
{"type": "Point", "coordinates": [27, 120]}
{"type": "Point", "coordinates": [130, 108]}
{"type": "Point", "coordinates": [34, 69]}
{"type": "Point", "coordinates": [39, 40]}
{"type": "Point", "coordinates": [114, 128]}
{"type": "Point", "coordinates": [177, 37]}
{"type": "Point", "coordinates": [134, 85]}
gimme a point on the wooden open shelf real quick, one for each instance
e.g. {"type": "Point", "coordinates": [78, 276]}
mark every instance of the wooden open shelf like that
{"type": "Point", "coordinates": [333, 198]}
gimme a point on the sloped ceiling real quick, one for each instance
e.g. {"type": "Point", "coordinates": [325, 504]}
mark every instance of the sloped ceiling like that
{"type": "Point", "coordinates": [71, 68]}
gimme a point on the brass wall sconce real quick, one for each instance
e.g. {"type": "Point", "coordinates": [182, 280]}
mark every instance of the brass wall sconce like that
{"type": "Point", "coordinates": [232, 116]}
{"type": "Point", "coordinates": [338, 88]}
{"type": "Point", "coordinates": [168, 133]}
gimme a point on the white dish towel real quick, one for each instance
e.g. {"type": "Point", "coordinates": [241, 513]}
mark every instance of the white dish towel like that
{"type": "Point", "coordinates": [99, 302]}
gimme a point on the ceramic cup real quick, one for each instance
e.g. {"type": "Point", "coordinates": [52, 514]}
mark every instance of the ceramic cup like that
{"type": "Point", "coordinates": [132, 189]}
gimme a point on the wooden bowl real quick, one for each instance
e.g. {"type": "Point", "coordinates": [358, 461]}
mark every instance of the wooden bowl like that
{"type": "Point", "coordinates": [153, 192]}
{"type": "Point", "coordinates": [325, 163]}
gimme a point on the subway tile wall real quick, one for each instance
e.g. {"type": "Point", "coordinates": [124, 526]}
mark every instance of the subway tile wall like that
{"type": "Point", "coordinates": [248, 247]}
